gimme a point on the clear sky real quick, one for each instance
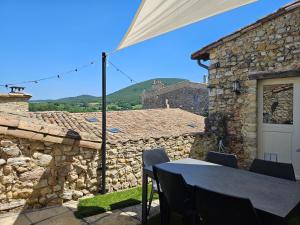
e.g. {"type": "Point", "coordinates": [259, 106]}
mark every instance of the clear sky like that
{"type": "Point", "coordinates": [43, 38]}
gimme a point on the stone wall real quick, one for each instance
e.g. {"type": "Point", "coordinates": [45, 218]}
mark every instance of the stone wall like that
{"type": "Point", "coordinates": [125, 160]}
{"type": "Point", "coordinates": [194, 100]}
{"type": "Point", "coordinates": [272, 46]}
{"type": "Point", "coordinates": [34, 174]}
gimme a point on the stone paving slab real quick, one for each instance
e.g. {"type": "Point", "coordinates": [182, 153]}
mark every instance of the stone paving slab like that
{"type": "Point", "coordinates": [42, 215]}
{"type": "Point", "coordinates": [112, 218]}
{"type": "Point", "coordinates": [17, 219]}
{"type": "Point", "coordinates": [66, 218]}
{"type": "Point", "coordinates": [64, 215]}
{"type": "Point", "coordinates": [98, 217]}
{"type": "Point", "coordinates": [136, 210]}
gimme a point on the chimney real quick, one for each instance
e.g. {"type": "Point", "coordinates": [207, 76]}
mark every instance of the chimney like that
{"type": "Point", "coordinates": [15, 101]}
{"type": "Point", "coordinates": [167, 103]}
{"type": "Point", "coordinates": [157, 85]}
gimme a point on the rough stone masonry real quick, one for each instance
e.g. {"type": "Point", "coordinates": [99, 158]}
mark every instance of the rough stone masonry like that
{"type": "Point", "coordinates": [42, 164]}
{"type": "Point", "coordinates": [271, 45]}
{"type": "Point", "coordinates": [36, 174]}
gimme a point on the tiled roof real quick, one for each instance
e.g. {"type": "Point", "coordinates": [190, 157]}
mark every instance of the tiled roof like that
{"type": "Point", "coordinates": [203, 52]}
{"type": "Point", "coordinates": [66, 120]}
{"type": "Point", "coordinates": [62, 127]}
{"type": "Point", "coordinates": [23, 126]}
{"type": "Point", "coordinates": [141, 124]}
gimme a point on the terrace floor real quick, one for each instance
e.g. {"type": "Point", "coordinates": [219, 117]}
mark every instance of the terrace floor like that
{"type": "Point", "coordinates": [64, 215]}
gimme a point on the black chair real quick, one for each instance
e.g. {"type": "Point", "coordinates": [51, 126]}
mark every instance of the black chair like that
{"type": "Point", "coordinates": [176, 197]}
{"type": "Point", "coordinates": [150, 158]}
{"type": "Point", "coordinates": [224, 159]}
{"type": "Point", "coordinates": [216, 208]}
{"type": "Point", "coordinates": [273, 169]}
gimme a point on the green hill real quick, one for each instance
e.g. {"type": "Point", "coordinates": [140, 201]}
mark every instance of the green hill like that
{"type": "Point", "coordinates": [80, 98]}
{"type": "Point", "coordinates": [131, 94]}
{"type": "Point", "coordinates": [126, 98]}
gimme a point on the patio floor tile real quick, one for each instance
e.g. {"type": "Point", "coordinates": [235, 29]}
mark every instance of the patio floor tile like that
{"type": "Point", "coordinates": [64, 215]}
{"type": "Point", "coordinates": [66, 218]}
{"type": "Point", "coordinates": [14, 220]}
{"type": "Point", "coordinates": [116, 219]}
{"type": "Point", "coordinates": [98, 217]}
{"type": "Point", "coordinates": [44, 214]}
{"type": "Point", "coordinates": [136, 210]}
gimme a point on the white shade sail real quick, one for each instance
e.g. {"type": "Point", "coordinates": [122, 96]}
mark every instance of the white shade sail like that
{"type": "Point", "coordinates": [156, 17]}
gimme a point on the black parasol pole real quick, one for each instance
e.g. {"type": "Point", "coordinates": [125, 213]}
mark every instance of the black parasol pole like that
{"type": "Point", "coordinates": [103, 146]}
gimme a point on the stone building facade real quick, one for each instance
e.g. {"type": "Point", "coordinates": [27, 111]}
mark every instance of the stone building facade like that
{"type": "Point", "coordinates": [186, 95]}
{"type": "Point", "coordinates": [268, 48]}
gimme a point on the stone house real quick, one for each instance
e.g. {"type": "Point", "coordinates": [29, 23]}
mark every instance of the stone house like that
{"type": "Point", "coordinates": [254, 106]}
{"type": "Point", "coordinates": [186, 95]}
{"type": "Point", "coordinates": [254, 82]}
{"type": "Point", "coordinates": [50, 157]}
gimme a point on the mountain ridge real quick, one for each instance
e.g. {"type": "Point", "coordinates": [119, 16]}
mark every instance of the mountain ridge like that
{"type": "Point", "coordinates": [123, 99]}
{"type": "Point", "coordinates": [137, 89]}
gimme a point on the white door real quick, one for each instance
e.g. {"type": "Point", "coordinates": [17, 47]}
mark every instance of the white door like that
{"type": "Point", "coordinates": [279, 121]}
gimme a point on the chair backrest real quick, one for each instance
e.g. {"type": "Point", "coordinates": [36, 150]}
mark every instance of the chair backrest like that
{"type": "Point", "coordinates": [224, 159]}
{"type": "Point", "coordinates": [174, 189]}
{"type": "Point", "coordinates": [274, 169]}
{"type": "Point", "coordinates": [155, 156]}
{"type": "Point", "coordinates": [216, 208]}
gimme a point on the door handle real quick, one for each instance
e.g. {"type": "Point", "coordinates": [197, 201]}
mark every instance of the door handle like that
{"type": "Point", "coordinates": [298, 150]}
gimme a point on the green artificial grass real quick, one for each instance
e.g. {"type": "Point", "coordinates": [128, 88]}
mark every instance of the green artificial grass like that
{"type": "Point", "coordinates": [103, 203]}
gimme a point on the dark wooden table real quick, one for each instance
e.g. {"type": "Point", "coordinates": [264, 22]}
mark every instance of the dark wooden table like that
{"type": "Point", "coordinates": [274, 196]}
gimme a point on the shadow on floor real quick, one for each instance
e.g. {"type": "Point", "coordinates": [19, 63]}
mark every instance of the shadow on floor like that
{"type": "Point", "coordinates": [88, 210]}
{"type": "Point", "coordinates": [58, 215]}
{"type": "Point", "coordinates": [125, 203]}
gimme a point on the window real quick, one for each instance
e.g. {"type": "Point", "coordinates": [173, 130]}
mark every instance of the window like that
{"type": "Point", "coordinates": [113, 130]}
{"type": "Point", "coordinates": [92, 120]}
{"type": "Point", "coordinates": [278, 104]}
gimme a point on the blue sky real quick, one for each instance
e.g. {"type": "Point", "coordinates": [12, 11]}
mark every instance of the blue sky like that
{"type": "Point", "coordinates": [44, 38]}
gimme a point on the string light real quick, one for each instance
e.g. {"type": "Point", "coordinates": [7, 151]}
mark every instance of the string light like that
{"type": "Point", "coordinates": [122, 72]}
{"type": "Point", "coordinates": [59, 76]}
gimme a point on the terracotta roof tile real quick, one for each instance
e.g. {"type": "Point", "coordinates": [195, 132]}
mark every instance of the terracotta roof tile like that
{"type": "Point", "coordinates": [140, 124]}
{"type": "Point", "coordinates": [132, 125]}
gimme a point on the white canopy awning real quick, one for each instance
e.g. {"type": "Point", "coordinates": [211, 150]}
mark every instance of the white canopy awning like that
{"type": "Point", "coordinates": [156, 17]}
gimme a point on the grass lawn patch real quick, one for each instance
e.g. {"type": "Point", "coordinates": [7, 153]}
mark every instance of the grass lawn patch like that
{"type": "Point", "coordinates": [103, 203]}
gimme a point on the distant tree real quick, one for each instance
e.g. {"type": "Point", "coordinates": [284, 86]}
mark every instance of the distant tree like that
{"type": "Point", "coordinates": [113, 107]}
{"type": "Point", "coordinates": [136, 107]}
